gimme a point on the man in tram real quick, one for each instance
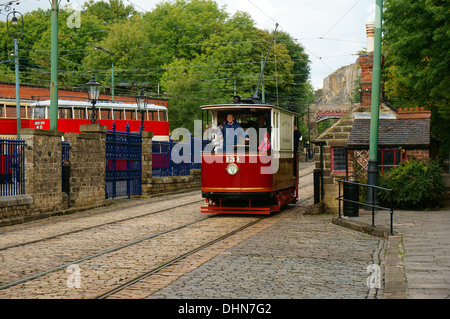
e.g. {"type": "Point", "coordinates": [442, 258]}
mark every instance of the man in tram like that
{"type": "Point", "coordinates": [232, 129]}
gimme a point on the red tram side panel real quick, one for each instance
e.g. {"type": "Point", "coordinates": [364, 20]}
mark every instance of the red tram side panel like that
{"type": "Point", "coordinates": [38, 114]}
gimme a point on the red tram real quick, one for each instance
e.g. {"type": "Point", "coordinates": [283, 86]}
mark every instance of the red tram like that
{"type": "Point", "coordinates": [249, 179]}
{"type": "Point", "coordinates": [72, 114]}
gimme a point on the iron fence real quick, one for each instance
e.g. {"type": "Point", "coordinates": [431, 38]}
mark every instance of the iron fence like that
{"type": "Point", "coordinates": [163, 163]}
{"type": "Point", "coordinates": [123, 174]}
{"type": "Point", "coordinates": [12, 167]}
{"type": "Point", "coordinates": [373, 203]}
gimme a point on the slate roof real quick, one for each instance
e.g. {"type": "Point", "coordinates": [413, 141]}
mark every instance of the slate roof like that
{"type": "Point", "coordinates": [392, 132]}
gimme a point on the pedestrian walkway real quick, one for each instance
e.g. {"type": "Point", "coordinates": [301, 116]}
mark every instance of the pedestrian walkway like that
{"type": "Point", "coordinates": [426, 249]}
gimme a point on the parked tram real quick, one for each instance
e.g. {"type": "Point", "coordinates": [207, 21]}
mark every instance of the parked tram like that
{"type": "Point", "coordinates": [72, 114]}
{"type": "Point", "coordinates": [257, 172]}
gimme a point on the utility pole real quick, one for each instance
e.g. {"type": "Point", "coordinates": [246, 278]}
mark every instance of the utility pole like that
{"type": "Point", "coordinates": [309, 128]}
{"type": "Point", "coordinates": [16, 33]}
{"type": "Point", "coordinates": [54, 67]}
{"type": "Point", "coordinates": [112, 82]}
{"type": "Point", "coordinates": [263, 94]}
{"type": "Point", "coordinates": [16, 62]}
{"type": "Point", "coordinates": [372, 178]}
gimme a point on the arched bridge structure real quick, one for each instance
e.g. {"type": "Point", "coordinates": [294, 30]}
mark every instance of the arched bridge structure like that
{"type": "Point", "coordinates": [322, 115]}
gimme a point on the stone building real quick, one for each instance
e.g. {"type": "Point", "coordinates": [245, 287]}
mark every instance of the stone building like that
{"type": "Point", "coordinates": [403, 135]}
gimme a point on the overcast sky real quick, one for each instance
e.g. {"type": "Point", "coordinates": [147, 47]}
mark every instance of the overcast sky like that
{"type": "Point", "coordinates": [331, 31]}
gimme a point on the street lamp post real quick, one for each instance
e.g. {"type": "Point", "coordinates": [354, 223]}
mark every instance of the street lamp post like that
{"type": "Point", "coordinates": [141, 101]}
{"type": "Point", "coordinates": [93, 93]}
{"type": "Point", "coordinates": [16, 30]}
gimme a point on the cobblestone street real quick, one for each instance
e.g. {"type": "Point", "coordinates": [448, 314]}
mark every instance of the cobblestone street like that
{"type": "Point", "coordinates": [298, 257]}
{"type": "Point", "coordinates": [287, 255]}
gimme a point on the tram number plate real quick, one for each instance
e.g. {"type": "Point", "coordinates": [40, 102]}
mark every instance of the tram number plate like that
{"type": "Point", "coordinates": [233, 159]}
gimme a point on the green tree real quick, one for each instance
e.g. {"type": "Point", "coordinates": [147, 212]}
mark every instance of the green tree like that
{"type": "Point", "coordinates": [73, 44]}
{"type": "Point", "coordinates": [109, 12]}
{"type": "Point", "coordinates": [417, 45]}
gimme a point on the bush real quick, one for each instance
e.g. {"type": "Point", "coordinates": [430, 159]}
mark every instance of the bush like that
{"type": "Point", "coordinates": [414, 184]}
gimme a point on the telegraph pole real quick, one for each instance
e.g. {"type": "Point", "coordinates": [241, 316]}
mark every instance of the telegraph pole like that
{"type": "Point", "coordinates": [372, 178]}
{"type": "Point", "coordinates": [54, 67]}
{"type": "Point", "coordinates": [112, 82]}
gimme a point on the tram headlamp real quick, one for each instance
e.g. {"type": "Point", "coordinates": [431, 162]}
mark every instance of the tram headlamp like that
{"type": "Point", "coordinates": [232, 169]}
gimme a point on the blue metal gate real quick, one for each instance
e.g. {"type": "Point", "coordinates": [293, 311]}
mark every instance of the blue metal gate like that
{"type": "Point", "coordinates": [123, 163]}
{"type": "Point", "coordinates": [12, 167]}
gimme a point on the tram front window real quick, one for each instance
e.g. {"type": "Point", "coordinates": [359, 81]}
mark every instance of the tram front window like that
{"type": "Point", "coordinates": [252, 134]}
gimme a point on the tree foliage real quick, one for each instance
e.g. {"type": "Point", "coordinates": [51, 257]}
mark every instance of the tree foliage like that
{"type": "Point", "coordinates": [195, 51]}
{"type": "Point", "coordinates": [417, 47]}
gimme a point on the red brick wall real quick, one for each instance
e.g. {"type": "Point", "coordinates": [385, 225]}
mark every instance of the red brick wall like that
{"type": "Point", "coordinates": [421, 155]}
{"type": "Point", "coordinates": [366, 63]}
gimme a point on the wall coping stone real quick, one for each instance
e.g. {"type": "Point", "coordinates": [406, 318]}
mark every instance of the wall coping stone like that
{"type": "Point", "coordinates": [32, 131]}
{"type": "Point", "coordinates": [18, 200]}
{"type": "Point", "coordinates": [93, 128]}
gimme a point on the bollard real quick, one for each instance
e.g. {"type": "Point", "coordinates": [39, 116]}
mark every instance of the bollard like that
{"type": "Point", "coordinates": [316, 186]}
{"type": "Point", "coordinates": [66, 177]}
{"type": "Point", "coordinates": [351, 192]}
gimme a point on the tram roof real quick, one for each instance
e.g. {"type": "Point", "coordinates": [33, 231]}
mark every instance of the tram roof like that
{"type": "Point", "coordinates": [238, 106]}
{"type": "Point", "coordinates": [102, 104]}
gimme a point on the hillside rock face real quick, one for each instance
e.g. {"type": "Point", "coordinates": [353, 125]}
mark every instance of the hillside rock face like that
{"type": "Point", "coordinates": [339, 87]}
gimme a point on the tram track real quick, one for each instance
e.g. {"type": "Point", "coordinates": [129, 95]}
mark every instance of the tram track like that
{"type": "Point", "coordinates": [97, 225]}
{"type": "Point", "coordinates": [153, 271]}
{"type": "Point", "coordinates": [166, 264]}
{"type": "Point", "coordinates": [100, 225]}
{"type": "Point", "coordinates": [114, 249]}
{"type": "Point", "coordinates": [104, 210]}
{"type": "Point", "coordinates": [181, 257]}
{"type": "Point", "coordinates": [61, 267]}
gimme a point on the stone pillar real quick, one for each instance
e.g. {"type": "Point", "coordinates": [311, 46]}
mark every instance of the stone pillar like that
{"type": "Point", "coordinates": [147, 142]}
{"type": "Point", "coordinates": [43, 169]}
{"type": "Point", "coordinates": [87, 174]}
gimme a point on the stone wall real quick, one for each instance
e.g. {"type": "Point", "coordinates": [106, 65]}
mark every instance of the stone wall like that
{"type": "Point", "coordinates": [43, 175]}
{"type": "Point", "coordinates": [170, 184]}
{"type": "Point", "coordinates": [87, 171]}
{"type": "Point", "coordinates": [43, 169]}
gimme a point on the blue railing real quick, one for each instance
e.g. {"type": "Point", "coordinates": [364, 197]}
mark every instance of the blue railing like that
{"type": "Point", "coordinates": [164, 165]}
{"type": "Point", "coordinates": [12, 167]}
{"type": "Point", "coordinates": [123, 174]}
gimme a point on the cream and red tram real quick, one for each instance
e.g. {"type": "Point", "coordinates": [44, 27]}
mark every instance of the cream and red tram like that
{"type": "Point", "coordinates": [249, 179]}
{"type": "Point", "coordinates": [73, 113]}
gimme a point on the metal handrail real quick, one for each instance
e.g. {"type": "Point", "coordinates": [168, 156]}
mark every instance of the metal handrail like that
{"type": "Point", "coordinates": [372, 205]}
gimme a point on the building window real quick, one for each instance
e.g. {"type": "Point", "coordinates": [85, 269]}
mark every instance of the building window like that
{"type": "Point", "coordinates": [389, 158]}
{"type": "Point", "coordinates": [338, 159]}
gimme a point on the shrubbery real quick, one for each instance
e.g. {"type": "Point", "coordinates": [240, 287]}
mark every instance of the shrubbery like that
{"type": "Point", "coordinates": [414, 184]}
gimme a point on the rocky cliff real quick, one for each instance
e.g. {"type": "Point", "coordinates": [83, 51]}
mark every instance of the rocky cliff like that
{"type": "Point", "coordinates": [339, 87]}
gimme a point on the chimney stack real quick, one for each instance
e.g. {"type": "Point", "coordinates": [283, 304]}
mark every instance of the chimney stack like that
{"type": "Point", "coordinates": [370, 31]}
{"type": "Point", "coordinates": [366, 63]}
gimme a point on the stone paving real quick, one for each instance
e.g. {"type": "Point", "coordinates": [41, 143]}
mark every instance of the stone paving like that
{"type": "Point", "coordinates": [289, 255]}
{"type": "Point", "coordinates": [297, 257]}
{"type": "Point", "coordinates": [426, 249]}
